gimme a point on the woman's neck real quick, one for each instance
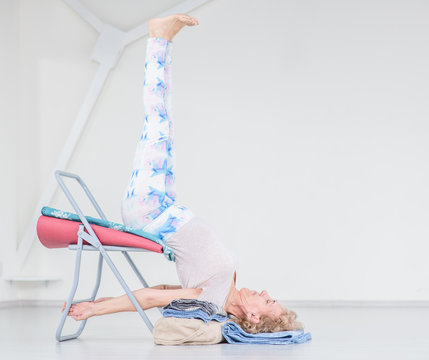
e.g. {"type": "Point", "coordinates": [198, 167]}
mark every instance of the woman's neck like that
{"type": "Point", "coordinates": [234, 304]}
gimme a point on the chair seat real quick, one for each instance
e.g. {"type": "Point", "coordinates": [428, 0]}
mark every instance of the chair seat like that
{"type": "Point", "coordinates": [108, 248]}
{"type": "Point", "coordinates": [60, 233]}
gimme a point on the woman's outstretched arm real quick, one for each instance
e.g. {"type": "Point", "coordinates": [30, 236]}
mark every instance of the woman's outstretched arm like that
{"type": "Point", "coordinates": [147, 298]}
{"type": "Point", "coordinates": [166, 287]}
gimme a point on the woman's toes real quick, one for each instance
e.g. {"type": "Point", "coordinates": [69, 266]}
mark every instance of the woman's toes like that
{"type": "Point", "coordinates": [188, 20]}
{"type": "Point", "coordinates": [185, 20]}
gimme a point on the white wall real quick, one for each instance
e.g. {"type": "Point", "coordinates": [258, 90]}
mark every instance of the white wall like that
{"type": "Point", "coordinates": [300, 132]}
{"type": "Point", "coordinates": [9, 114]}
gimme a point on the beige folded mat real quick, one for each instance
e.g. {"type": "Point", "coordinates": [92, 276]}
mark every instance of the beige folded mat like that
{"type": "Point", "coordinates": [180, 331]}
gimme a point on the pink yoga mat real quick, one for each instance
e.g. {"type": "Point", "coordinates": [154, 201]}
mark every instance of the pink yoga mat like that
{"type": "Point", "coordinates": [60, 233]}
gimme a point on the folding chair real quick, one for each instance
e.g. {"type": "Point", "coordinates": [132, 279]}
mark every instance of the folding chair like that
{"type": "Point", "coordinates": [54, 232]}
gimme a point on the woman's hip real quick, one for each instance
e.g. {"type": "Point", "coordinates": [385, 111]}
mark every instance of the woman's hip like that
{"type": "Point", "coordinates": [162, 221]}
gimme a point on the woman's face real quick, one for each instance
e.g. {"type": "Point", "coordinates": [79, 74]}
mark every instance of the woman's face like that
{"type": "Point", "coordinates": [258, 304]}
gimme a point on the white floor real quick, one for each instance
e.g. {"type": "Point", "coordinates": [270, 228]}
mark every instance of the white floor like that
{"type": "Point", "coordinates": [338, 333]}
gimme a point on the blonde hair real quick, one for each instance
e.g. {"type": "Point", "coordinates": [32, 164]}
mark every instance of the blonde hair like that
{"type": "Point", "coordinates": [285, 322]}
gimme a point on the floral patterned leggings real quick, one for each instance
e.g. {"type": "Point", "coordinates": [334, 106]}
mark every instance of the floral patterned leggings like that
{"type": "Point", "coordinates": [150, 200]}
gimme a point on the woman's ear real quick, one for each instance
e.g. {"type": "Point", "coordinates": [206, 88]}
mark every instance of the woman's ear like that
{"type": "Point", "coordinates": [253, 318]}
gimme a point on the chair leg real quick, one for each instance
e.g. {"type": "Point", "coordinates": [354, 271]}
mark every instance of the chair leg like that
{"type": "Point", "coordinates": [98, 278]}
{"type": "Point", "coordinates": [137, 272]}
{"type": "Point", "coordinates": [60, 337]}
{"type": "Point", "coordinates": [127, 289]}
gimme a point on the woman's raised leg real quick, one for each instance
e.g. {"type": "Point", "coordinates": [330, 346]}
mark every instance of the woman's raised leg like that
{"type": "Point", "coordinates": [146, 196]}
{"type": "Point", "coordinates": [151, 188]}
{"type": "Point", "coordinates": [170, 180]}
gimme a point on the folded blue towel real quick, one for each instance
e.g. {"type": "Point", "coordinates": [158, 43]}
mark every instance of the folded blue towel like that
{"type": "Point", "coordinates": [52, 212]}
{"type": "Point", "coordinates": [234, 334]}
{"type": "Point", "coordinates": [194, 314]}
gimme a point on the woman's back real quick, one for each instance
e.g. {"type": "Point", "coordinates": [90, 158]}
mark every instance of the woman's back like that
{"type": "Point", "coordinates": [202, 261]}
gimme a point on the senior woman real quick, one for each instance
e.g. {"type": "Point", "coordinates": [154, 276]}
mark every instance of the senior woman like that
{"type": "Point", "coordinates": [205, 268]}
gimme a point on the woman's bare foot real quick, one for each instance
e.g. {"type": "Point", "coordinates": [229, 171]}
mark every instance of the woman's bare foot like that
{"type": "Point", "coordinates": [75, 310]}
{"type": "Point", "coordinates": [167, 27]}
{"type": "Point", "coordinates": [82, 311]}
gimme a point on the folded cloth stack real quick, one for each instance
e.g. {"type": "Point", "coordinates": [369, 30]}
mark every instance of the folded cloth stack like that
{"type": "Point", "coordinates": [189, 321]}
{"type": "Point", "coordinates": [191, 304]}
{"type": "Point", "coordinates": [194, 309]}
{"type": "Point", "coordinates": [234, 334]}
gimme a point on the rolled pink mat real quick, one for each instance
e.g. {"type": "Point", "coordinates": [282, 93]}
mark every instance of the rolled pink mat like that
{"type": "Point", "coordinates": [60, 233]}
